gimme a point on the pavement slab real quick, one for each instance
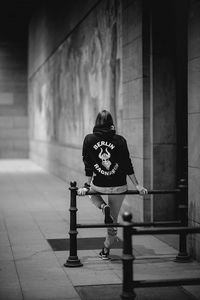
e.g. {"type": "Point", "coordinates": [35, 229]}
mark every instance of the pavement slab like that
{"type": "Point", "coordinates": [113, 292]}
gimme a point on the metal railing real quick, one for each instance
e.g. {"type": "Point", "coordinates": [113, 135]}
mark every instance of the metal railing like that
{"type": "Point", "coordinates": [130, 229]}
{"type": "Point", "coordinates": [128, 284]}
{"type": "Point", "coordinates": [74, 261]}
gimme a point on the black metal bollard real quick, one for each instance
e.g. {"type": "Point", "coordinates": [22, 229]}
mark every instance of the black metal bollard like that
{"type": "Point", "coordinates": [127, 259]}
{"type": "Point", "coordinates": [183, 255]}
{"type": "Point", "coordinates": [73, 260]}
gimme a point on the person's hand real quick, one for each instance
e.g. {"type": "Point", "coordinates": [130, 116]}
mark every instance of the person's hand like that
{"type": "Point", "coordinates": [141, 190]}
{"type": "Point", "coordinates": [82, 191]}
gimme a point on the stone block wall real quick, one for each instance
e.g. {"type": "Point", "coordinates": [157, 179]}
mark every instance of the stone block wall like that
{"type": "Point", "coordinates": [159, 107]}
{"type": "Point", "coordinates": [98, 64]}
{"type": "Point", "coordinates": [132, 87]}
{"type": "Point", "coordinates": [70, 83]}
{"type": "Point", "coordinates": [13, 101]}
{"type": "Point", "coordinates": [194, 121]}
{"type": "Point", "coordinates": [102, 59]}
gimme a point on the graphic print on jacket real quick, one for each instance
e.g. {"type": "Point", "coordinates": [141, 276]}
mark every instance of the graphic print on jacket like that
{"type": "Point", "coordinates": [105, 155]}
{"type": "Point", "coordinates": [105, 158]}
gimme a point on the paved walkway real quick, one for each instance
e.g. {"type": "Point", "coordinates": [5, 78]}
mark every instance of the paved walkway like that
{"type": "Point", "coordinates": [33, 210]}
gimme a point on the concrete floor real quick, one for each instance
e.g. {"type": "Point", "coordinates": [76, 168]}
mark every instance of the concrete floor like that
{"type": "Point", "coordinates": [34, 208]}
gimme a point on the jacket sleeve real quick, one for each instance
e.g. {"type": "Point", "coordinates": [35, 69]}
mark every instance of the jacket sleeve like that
{"type": "Point", "coordinates": [127, 160]}
{"type": "Point", "coordinates": [86, 158]}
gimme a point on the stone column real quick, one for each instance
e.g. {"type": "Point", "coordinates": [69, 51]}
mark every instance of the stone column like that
{"type": "Point", "coordinates": [194, 121]}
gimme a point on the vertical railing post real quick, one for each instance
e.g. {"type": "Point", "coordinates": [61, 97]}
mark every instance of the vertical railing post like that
{"type": "Point", "coordinates": [183, 255]}
{"type": "Point", "coordinates": [127, 259]}
{"type": "Point", "coordinates": [73, 260]}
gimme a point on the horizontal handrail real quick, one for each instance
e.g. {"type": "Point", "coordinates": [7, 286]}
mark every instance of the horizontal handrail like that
{"type": "Point", "coordinates": [173, 230]}
{"type": "Point", "coordinates": [135, 192]}
{"type": "Point", "coordinates": [99, 225]}
{"type": "Point", "coordinates": [135, 224]}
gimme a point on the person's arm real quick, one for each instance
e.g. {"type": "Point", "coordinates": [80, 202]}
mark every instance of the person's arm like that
{"type": "Point", "coordinates": [133, 179]}
{"type": "Point", "coordinates": [139, 187]}
{"type": "Point", "coordinates": [87, 159]}
{"type": "Point", "coordinates": [130, 170]}
{"type": "Point", "coordinates": [88, 169]}
{"type": "Point", "coordinates": [89, 179]}
{"type": "Point", "coordinates": [83, 190]}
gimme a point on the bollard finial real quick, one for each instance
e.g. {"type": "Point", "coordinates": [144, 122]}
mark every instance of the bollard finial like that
{"type": "Point", "coordinates": [127, 216]}
{"type": "Point", "coordinates": [73, 184]}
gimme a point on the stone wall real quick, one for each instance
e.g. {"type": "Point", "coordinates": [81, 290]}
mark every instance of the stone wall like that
{"type": "Point", "coordinates": [70, 83]}
{"type": "Point", "coordinates": [13, 100]}
{"type": "Point", "coordinates": [163, 108]}
{"type": "Point", "coordinates": [98, 64]}
{"type": "Point", "coordinates": [194, 120]}
{"type": "Point", "coordinates": [159, 107]}
{"type": "Point", "coordinates": [102, 58]}
{"type": "Point", "coordinates": [132, 87]}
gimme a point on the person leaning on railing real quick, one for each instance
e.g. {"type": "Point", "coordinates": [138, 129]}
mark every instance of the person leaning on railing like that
{"type": "Point", "coordinates": [107, 165]}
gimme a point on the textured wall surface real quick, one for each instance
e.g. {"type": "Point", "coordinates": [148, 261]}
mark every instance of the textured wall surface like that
{"type": "Point", "coordinates": [98, 65]}
{"type": "Point", "coordinates": [13, 101]}
{"type": "Point", "coordinates": [80, 78]}
{"type": "Point", "coordinates": [104, 60]}
{"type": "Point", "coordinates": [51, 23]}
{"type": "Point", "coordinates": [194, 120]}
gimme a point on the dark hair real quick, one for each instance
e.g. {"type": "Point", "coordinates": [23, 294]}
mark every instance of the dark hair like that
{"type": "Point", "coordinates": [104, 118]}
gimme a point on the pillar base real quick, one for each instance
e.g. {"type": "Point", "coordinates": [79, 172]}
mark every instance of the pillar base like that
{"type": "Point", "coordinates": [183, 258]}
{"type": "Point", "coordinates": [73, 262]}
{"type": "Point", "coordinates": [128, 296]}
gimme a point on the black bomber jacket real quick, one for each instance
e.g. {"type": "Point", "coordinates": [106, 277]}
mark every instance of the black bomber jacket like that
{"type": "Point", "coordinates": [106, 157]}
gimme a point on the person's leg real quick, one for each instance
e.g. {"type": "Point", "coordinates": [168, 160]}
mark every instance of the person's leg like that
{"type": "Point", "coordinates": [98, 201]}
{"type": "Point", "coordinates": [115, 203]}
